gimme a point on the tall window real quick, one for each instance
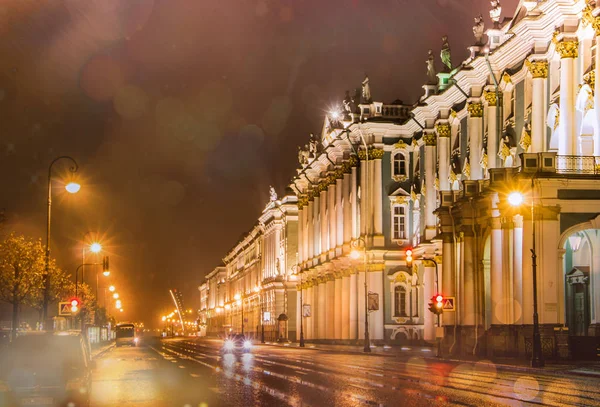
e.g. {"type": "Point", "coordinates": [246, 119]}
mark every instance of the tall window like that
{"type": "Point", "coordinates": [399, 164]}
{"type": "Point", "coordinates": [399, 301]}
{"type": "Point", "coordinates": [399, 222]}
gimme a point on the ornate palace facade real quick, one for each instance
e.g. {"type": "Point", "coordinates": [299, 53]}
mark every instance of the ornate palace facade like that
{"type": "Point", "coordinates": [520, 114]}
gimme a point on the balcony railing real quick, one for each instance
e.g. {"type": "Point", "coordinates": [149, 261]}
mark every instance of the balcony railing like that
{"type": "Point", "coordinates": [573, 164]}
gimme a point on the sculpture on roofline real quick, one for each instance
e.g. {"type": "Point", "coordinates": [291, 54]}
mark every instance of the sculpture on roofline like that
{"type": "Point", "coordinates": [366, 91]}
{"type": "Point", "coordinates": [303, 155]}
{"type": "Point", "coordinates": [272, 194]}
{"type": "Point", "coordinates": [347, 104]}
{"type": "Point", "coordinates": [431, 75]}
{"type": "Point", "coordinates": [495, 13]}
{"type": "Point", "coordinates": [312, 146]}
{"type": "Point", "coordinates": [445, 54]}
{"type": "Point", "coordinates": [478, 29]}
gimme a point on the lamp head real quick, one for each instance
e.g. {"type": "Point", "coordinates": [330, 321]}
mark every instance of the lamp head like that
{"type": "Point", "coordinates": [515, 199]}
{"type": "Point", "coordinates": [95, 247]}
{"type": "Point", "coordinates": [72, 187]}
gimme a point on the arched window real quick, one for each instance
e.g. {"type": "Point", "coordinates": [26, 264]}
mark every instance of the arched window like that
{"type": "Point", "coordinates": [399, 165]}
{"type": "Point", "coordinates": [399, 301]}
{"type": "Point", "coordinates": [399, 222]}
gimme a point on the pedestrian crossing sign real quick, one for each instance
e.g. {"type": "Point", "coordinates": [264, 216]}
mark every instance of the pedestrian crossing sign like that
{"type": "Point", "coordinates": [449, 304]}
{"type": "Point", "coordinates": [64, 308]}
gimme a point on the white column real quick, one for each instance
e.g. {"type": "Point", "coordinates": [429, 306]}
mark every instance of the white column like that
{"type": "Point", "coordinates": [316, 227]}
{"type": "Point", "coordinates": [345, 305]}
{"type": "Point", "coordinates": [527, 283]}
{"type": "Point", "coordinates": [339, 212]}
{"type": "Point", "coordinates": [300, 233]}
{"type": "Point", "coordinates": [430, 192]}
{"type": "Point", "coordinates": [549, 280]}
{"type": "Point", "coordinates": [348, 204]}
{"type": "Point", "coordinates": [324, 223]}
{"type": "Point", "coordinates": [376, 317]}
{"type": "Point", "coordinates": [330, 308]}
{"type": "Point", "coordinates": [597, 101]}
{"type": "Point", "coordinates": [321, 304]}
{"type": "Point", "coordinates": [310, 236]}
{"type": "Point", "coordinates": [363, 196]}
{"type": "Point", "coordinates": [298, 310]}
{"type": "Point", "coordinates": [517, 303]}
{"type": "Point", "coordinates": [474, 128]}
{"type": "Point", "coordinates": [360, 281]}
{"type": "Point", "coordinates": [443, 150]}
{"type": "Point", "coordinates": [467, 314]}
{"type": "Point", "coordinates": [496, 271]}
{"type": "Point", "coordinates": [507, 267]}
{"type": "Point", "coordinates": [337, 318]}
{"type": "Point", "coordinates": [353, 305]}
{"type": "Point", "coordinates": [492, 131]}
{"type": "Point", "coordinates": [331, 210]}
{"type": "Point", "coordinates": [429, 320]}
{"type": "Point", "coordinates": [377, 193]}
{"type": "Point", "coordinates": [567, 142]}
{"type": "Point", "coordinates": [447, 277]}
{"type": "Point", "coordinates": [354, 199]}
{"type": "Point", "coordinates": [539, 72]}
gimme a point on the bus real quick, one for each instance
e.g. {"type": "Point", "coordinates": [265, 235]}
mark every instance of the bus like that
{"type": "Point", "coordinates": [126, 335]}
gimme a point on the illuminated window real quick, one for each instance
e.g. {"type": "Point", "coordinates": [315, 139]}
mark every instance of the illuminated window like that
{"type": "Point", "coordinates": [399, 222]}
{"type": "Point", "coordinates": [399, 164]}
{"type": "Point", "coordinates": [399, 301]}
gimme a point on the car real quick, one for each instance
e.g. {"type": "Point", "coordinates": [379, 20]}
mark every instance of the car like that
{"type": "Point", "coordinates": [236, 343]}
{"type": "Point", "coordinates": [46, 369]}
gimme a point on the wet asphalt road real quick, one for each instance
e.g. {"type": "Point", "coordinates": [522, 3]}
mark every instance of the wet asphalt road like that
{"type": "Point", "coordinates": [192, 372]}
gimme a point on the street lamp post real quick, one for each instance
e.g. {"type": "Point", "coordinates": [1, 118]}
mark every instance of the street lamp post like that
{"type": "Point", "coordinates": [296, 270]}
{"type": "Point", "coordinates": [71, 188]}
{"type": "Point", "coordinates": [437, 289]}
{"type": "Point", "coordinates": [355, 254]}
{"type": "Point", "coordinates": [537, 357]}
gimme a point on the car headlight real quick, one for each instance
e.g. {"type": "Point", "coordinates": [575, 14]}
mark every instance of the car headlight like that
{"type": "Point", "coordinates": [229, 345]}
{"type": "Point", "coordinates": [247, 344]}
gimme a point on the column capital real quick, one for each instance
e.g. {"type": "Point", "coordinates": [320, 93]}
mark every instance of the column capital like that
{"type": "Point", "coordinates": [566, 47]}
{"type": "Point", "coordinates": [443, 129]}
{"type": "Point", "coordinates": [490, 98]}
{"type": "Point", "coordinates": [537, 68]}
{"type": "Point", "coordinates": [496, 223]}
{"type": "Point", "coordinates": [588, 17]}
{"type": "Point", "coordinates": [475, 110]}
{"type": "Point", "coordinates": [430, 139]}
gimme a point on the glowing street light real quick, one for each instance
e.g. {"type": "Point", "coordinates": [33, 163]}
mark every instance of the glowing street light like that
{"type": "Point", "coordinates": [112, 288]}
{"type": "Point", "coordinates": [72, 187]}
{"type": "Point", "coordinates": [515, 199]}
{"type": "Point", "coordinates": [164, 319]}
{"type": "Point", "coordinates": [121, 309]}
{"type": "Point", "coordinates": [116, 296]}
{"type": "Point", "coordinates": [237, 297]}
{"type": "Point", "coordinates": [95, 247]}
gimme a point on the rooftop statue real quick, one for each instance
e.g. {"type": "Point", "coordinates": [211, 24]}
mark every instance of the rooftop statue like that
{"type": "Point", "coordinates": [495, 12]}
{"type": "Point", "coordinates": [478, 30]}
{"type": "Point", "coordinates": [303, 155]}
{"type": "Point", "coordinates": [347, 103]}
{"type": "Point", "coordinates": [312, 146]}
{"type": "Point", "coordinates": [366, 91]}
{"type": "Point", "coordinates": [431, 76]}
{"type": "Point", "coordinates": [445, 54]}
{"type": "Point", "coordinates": [272, 194]}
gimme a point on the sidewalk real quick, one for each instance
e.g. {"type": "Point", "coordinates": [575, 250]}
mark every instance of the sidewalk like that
{"type": "Point", "coordinates": [100, 348]}
{"type": "Point", "coordinates": [587, 369]}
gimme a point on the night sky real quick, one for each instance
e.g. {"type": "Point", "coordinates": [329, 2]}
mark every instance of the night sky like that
{"type": "Point", "coordinates": [181, 113]}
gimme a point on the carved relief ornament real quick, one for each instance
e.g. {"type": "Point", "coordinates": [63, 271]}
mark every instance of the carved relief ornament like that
{"type": "Point", "coordinates": [538, 68]}
{"type": "Point", "coordinates": [566, 48]}
{"type": "Point", "coordinates": [443, 129]}
{"type": "Point", "coordinates": [589, 18]}
{"type": "Point", "coordinates": [490, 97]}
{"type": "Point", "coordinates": [475, 110]}
{"type": "Point", "coordinates": [429, 139]}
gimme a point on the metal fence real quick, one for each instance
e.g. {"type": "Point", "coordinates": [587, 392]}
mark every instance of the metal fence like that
{"type": "Point", "coordinates": [573, 164]}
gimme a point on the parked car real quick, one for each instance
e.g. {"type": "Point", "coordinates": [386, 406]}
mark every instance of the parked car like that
{"type": "Point", "coordinates": [46, 369]}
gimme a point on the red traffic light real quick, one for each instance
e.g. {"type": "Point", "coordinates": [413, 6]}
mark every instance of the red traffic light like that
{"type": "Point", "coordinates": [74, 304]}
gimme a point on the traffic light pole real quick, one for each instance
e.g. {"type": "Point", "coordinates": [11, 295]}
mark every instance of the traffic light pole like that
{"type": "Point", "coordinates": [438, 312]}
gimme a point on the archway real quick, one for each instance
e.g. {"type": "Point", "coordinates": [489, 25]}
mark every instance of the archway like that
{"type": "Point", "coordinates": [581, 273]}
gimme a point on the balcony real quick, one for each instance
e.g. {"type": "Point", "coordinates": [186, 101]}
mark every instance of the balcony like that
{"type": "Point", "coordinates": [549, 163]}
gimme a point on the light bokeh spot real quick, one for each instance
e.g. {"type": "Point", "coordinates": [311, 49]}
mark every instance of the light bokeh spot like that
{"type": "Point", "coordinates": [526, 388]}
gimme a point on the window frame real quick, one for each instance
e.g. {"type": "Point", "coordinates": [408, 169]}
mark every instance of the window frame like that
{"type": "Point", "coordinates": [404, 235]}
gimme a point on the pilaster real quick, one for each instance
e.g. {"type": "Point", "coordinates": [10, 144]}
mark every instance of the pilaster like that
{"type": "Point", "coordinates": [430, 192]}
{"type": "Point", "coordinates": [443, 149]}
{"type": "Point", "coordinates": [475, 139]}
{"type": "Point", "coordinates": [539, 72]}
{"type": "Point", "coordinates": [567, 47]}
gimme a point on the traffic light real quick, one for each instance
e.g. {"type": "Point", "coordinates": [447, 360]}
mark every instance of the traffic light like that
{"type": "Point", "coordinates": [105, 266]}
{"type": "Point", "coordinates": [436, 305]}
{"type": "Point", "coordinates": [409, 258]}
{"type": "Point", "coordinates": [74, 305]}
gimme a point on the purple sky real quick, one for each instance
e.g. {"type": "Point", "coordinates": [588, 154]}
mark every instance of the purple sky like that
{"type": "Point", "coordinates": [181, 113]}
